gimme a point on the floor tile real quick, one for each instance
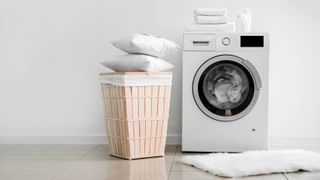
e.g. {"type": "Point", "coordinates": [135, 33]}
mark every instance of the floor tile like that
{"type": "Point", "coordinates": [171, 149]}
{"type": "Point", "coordinates": [7, 147]}
{"type": "Point", "coordinates": [207, 176]}
{"type": "Point", "coordinates": [112, 175]}
{"type": "Point", "coordinates": [149, 168]}
{"type": "Point", "coordinates": [94, 162]}
{"type": "Point", "coordinates": [35, 163]}
{"type": "Point", "coordinates": [109, 163]}
{"type": "Point", "coordinates": [41, 150]}
{"type": "Point", "coordinates": [102, 150]}
{"type": "Point", "coordinates": [84, 175]}
{"type": "Point", "coordinates": [303, 176]}
{"type": "Point", "coordinates": [46, 175]}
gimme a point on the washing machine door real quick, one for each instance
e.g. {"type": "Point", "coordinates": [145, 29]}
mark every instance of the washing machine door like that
{"type": "Point", "coordinates": [226, 87]}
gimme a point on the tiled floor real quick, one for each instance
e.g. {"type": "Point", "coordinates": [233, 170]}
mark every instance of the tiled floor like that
{"type": "Point", "coordinates": [92, 162]}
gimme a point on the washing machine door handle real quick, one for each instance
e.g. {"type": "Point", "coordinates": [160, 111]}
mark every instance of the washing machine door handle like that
{"type": "Point", "coordinates": [254, 73]}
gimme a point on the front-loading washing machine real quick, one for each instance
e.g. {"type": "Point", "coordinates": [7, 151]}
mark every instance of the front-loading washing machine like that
{"type": "Point", "coordinates": [225, 92]}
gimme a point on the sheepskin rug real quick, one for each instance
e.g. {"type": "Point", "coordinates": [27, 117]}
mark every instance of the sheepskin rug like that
{"type": "Point", "coordinates": [255, 162]}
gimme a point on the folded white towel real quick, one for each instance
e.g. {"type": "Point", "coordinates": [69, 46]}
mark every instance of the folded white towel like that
{"type": "Point", "coordinates": [210, 12]}
{"type": "Point", "coordinates": [211, 19]}
{"type": "Point", "coordinates": [229, 27]}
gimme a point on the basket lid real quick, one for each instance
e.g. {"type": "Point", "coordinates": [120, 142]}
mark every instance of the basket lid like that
{"type": "Point", "coordinates": [132, 73]}
{"type": "Point", "coordinates": [137, 78]}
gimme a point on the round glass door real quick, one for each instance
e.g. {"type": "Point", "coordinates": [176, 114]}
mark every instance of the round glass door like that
{"type": "Point", "coordinates": [226, 87]}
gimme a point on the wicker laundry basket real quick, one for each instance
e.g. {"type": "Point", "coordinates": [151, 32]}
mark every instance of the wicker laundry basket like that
{"type": "Point", "coordinates": [136, 112]}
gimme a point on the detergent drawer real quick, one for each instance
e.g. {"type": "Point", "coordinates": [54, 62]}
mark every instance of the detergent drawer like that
{"type": "Point", "coordinates": [199, 42]}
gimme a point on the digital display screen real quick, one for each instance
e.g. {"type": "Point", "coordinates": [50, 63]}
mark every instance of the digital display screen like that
{"type": "Point", "coordinates": [251, 41]}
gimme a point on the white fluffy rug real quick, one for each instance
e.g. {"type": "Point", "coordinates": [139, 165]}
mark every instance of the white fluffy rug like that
{"type": "Point", "coordinates": [255, 162]}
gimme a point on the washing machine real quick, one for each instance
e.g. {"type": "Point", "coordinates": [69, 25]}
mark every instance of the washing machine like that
{"type": "Point", "coordinates": [225, 92]}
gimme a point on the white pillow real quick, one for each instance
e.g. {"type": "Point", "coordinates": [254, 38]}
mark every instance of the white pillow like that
{"type": "Point", "coordinates": [146, 44]}
{"type": "Point", "coordinates": [137, 62]}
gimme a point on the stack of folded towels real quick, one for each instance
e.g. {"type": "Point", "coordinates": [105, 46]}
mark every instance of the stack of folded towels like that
{"type": "Point", "coordinates": [211, 20]}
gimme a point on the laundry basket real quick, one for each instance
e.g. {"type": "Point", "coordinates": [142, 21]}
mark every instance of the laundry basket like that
{"type": "Point", "coordinates": [136, 112]}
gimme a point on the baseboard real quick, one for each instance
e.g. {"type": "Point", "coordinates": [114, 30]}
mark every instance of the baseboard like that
{"type": "Point", "coordinates": [274, 142]}
{"type": "Point", "coordinates": [53, 139]}
{"type": "Point", "coordinates": [294, 142]}
{"type": "Point", "coordinates": [67, 139]}
{"type": "Point", "coordinates": [174, 139]}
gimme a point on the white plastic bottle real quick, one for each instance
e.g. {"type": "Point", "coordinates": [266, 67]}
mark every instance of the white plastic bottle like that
{"type": "Point", "coordinates": [244, 21]}
{"type": "Point", "coordinates": [248, 20]}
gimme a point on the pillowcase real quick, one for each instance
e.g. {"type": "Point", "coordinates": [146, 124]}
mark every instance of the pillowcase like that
{"type": "Point", "coordinates": [137, 62]}
{"type": "Point", "coordinates": [146, 44]}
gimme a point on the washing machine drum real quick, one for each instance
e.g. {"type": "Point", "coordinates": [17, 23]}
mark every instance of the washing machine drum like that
{"type": "Point", "coordinates": [226, 87]}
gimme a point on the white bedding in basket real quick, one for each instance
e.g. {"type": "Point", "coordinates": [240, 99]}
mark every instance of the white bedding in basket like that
{"type": "Point", "coordinates": [255, 162]}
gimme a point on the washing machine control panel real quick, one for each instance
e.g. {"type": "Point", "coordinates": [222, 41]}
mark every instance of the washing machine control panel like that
{"type": "Point", "coordinates": [226, 42]}
{"type": "Point", "coordinates": [240, 42]}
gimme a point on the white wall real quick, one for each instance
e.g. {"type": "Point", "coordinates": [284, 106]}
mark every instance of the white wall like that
{"type": "Point", "coordinates": [50, 53]}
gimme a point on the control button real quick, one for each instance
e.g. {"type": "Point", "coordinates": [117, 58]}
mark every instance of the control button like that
{"type": "Point", "coordinates": [226, 41]}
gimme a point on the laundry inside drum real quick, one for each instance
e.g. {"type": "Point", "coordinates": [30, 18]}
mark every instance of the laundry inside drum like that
{"type": "Point", "coordinates": [226, 87]}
